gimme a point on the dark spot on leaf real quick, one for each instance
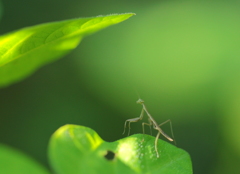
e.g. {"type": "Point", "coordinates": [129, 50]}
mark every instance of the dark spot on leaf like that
{"type": "Point", "coordinates": [109, 155]}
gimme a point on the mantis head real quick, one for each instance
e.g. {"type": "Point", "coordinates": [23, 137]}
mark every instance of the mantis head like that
{"type": "Point", "coordinates": [140, 101]}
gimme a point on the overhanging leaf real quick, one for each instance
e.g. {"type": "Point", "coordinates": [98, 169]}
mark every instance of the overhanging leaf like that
{"type": "Point", "coordinates": [15, 162]}
{"type": "Point", "coordinates": [25, 50]}
{"type": "Point", "coordinates": [78, 149]}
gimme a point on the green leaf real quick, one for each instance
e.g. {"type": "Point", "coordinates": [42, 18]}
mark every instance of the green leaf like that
{"type": "Point", "coordinates": [25, 50]}
{"type": "Point", "coordinates": [78, 149]}
{"type": "Point", "coordinates": [15, 162]}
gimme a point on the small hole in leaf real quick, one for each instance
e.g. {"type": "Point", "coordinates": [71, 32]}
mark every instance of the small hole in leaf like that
{"type": "Point", "coordinates": [109, 155]}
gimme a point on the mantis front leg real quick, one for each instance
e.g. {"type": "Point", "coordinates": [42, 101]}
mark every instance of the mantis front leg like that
{"type": "Point", "coordinates": [133, 120]}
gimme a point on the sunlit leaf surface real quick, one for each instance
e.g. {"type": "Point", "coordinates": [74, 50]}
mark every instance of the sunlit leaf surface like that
{"type": "Point", "coordinates": [78, 149]}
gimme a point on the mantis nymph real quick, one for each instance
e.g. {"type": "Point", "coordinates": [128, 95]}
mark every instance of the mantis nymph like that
{"type": "Point", "coordinates": [151, 122]}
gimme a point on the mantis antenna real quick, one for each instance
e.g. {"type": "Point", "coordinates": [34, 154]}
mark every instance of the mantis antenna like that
{"type": "Point", "coordinates": [152, 122]}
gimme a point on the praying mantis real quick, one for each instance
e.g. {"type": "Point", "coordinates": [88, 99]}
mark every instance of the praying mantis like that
{"type": "Point", "coordinates": [152, 122]}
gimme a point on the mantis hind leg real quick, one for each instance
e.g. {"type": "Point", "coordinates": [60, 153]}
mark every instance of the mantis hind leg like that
{"type": "Point", "coordinates": [156, 143]}
{"type": "Point", "coordinates": [170, 122]}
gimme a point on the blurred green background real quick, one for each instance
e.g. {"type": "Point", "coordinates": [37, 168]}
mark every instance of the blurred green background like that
{"type": "Point", "coordinates": [181, 57]}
